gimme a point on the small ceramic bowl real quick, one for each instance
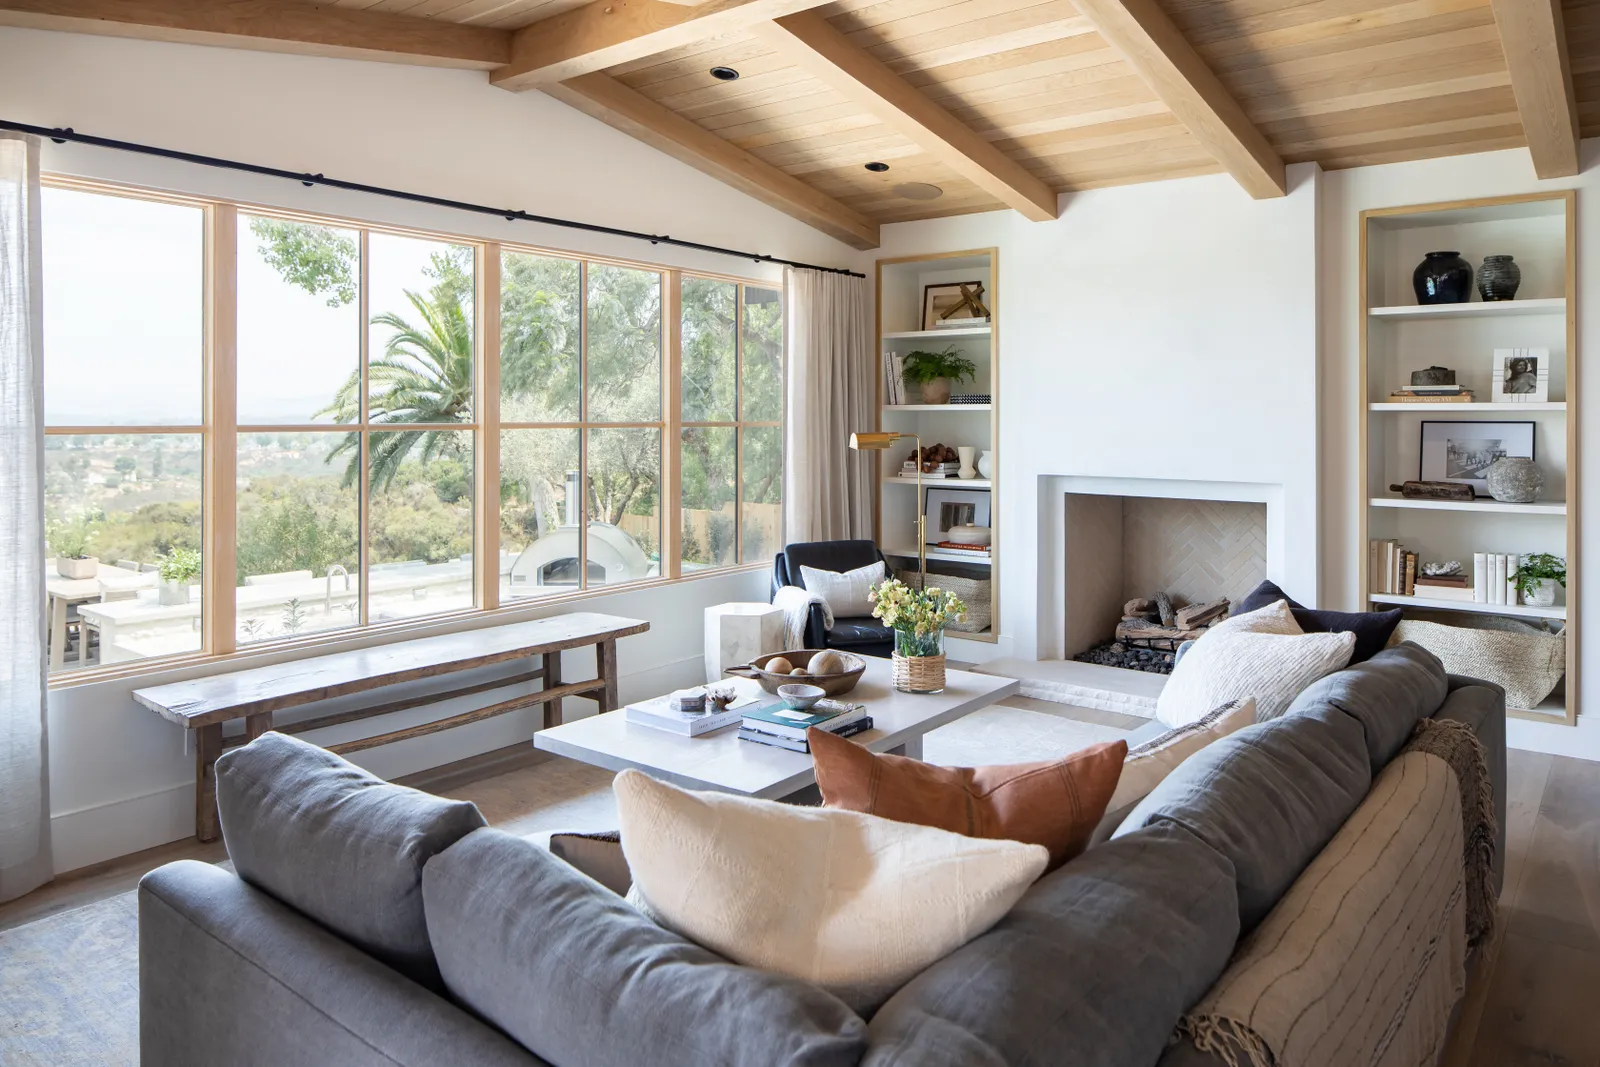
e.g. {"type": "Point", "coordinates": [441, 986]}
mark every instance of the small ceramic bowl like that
{"type": "Point", "coordinates": [800, 697]}
{"type": "Point", "coordinates": [968, 535]}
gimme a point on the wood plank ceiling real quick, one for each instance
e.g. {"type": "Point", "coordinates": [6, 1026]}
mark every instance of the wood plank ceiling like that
{"type": "Point", "coordinates": [1046, 95]}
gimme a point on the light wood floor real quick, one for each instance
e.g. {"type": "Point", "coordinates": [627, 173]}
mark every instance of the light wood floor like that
{"type": "Point", "coordinates": [1532, 1003]}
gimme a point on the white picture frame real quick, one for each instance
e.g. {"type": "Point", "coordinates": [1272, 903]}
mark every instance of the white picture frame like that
{"type": "Point", "coordinates": [1520, 376]}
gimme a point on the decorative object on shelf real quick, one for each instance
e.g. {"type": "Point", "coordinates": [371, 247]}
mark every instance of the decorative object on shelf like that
{"type": "Point", "coordinates": [967, 453]}
{"type": "Point", "coordinates": [878, 442]}
{"type": "Point", "coordinates": [1498, 278]}
{"type": "Point", "coordinates": [1464, 451]}
{"type": "Point", "coordinates": [986, 464]}
{"type": "Point", "coordinates": [917, 617]}
{"type": "Point", "coordinates": [951, 508]}
{"type": "Point", "coordinates": [936, 371]}
{"type": "Point", "coordinates": [1521, 376]}
{"type": "Point", "coordinates": [1442, 278]}
{"type": "Point", "coordinates": [1537, 577]}
{"type": "Point", "coordinates": [968, 535]}
{"type": "Point", "coordinates": [1432, 377]}
{"type": "Point", "coordinates": [1433, 491]}
{"type": "Point", "coordinates": [937, 461]}
{"type": "Point", "coordinates": [1445, 569]}
{"type": "Point", "coordinates": [1515, 480]}
{"type": "Point", "coordinates": [950, 305]}
{"type": "Point", "coordinates": [971, 398]}
{"type": "Point", "coordinates": [177, 568]}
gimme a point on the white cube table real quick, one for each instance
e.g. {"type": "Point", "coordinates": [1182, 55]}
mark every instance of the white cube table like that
{"type": "Point", "coordinates": [722, 762]}
{"type": "Point", "coordinates": [737, 633]}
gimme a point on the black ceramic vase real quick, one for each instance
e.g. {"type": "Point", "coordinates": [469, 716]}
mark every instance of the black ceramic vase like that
{"type": "Point", "coordinates": [1443, 278]}
{"type": "Point", "coordinates": [1498, 278]}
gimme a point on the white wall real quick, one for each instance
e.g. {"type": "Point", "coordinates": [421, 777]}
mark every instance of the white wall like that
{"type": "Point", "coordinates": [1162, 331]}
{"type": "Point", "coordinates": [120, 779]}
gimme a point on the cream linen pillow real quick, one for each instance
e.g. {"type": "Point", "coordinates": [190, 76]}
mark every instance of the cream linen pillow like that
{"type": "Point", "coordinates": [1275, 618]}
{"type": "Point", "coordinates": [845, 591]}
{"type": "Point", "coordinates": [1147, 765]}
{"type": "Point", "coordinates": [1273, 668]}
{"type": "Point", "coordinates": [854, 903]}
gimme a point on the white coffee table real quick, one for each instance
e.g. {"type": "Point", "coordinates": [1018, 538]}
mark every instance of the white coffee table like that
{"type": "Point", "coordinates": [722, 762]}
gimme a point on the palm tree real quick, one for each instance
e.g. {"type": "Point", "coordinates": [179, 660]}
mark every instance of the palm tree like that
{"type": "Point", "coordinates": [424, 377]}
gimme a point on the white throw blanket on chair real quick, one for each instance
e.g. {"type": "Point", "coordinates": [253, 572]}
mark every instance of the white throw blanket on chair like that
{"type": "Point", "coordinates": [795, 603]}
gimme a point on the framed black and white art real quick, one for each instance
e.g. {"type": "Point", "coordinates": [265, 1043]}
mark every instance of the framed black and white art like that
{"type": "Point", "coordinates": [949, 508]}
{"type": "Point", "coordinates": [1464, 451]}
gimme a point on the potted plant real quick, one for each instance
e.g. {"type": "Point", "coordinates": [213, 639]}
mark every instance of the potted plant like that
{"type": "Point", "coordinates": [70, 541]}
{"type": "Point", "coordinates": [177, 568]}
{"type": "Point", "coordinates": [917, 617]}
{"type": "Point", "coordinates": [1537, 577]}
{"type": "Point", "coordinates": [934, 371]}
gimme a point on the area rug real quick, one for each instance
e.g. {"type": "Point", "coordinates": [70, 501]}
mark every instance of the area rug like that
{"type": "Point", "coordinates": [69, 988]}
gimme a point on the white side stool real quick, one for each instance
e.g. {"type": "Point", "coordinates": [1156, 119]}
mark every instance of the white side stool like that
{"type": "Point", "coordinates": [737, 633]}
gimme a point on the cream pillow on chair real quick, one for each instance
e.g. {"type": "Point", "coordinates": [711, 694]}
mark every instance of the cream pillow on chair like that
{"type": "Point", "coordinates": [851, 902]}
{"type": "Point", "coordinates": [1271, 667]}
{"type": "Point", "coordinates": [845, 591]}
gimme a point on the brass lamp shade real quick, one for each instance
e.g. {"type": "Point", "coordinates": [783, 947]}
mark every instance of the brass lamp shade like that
{"type": "Point", "coordinates": [874, 442]}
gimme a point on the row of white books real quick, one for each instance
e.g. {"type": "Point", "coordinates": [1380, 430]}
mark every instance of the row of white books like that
{"type": "Point", "coordinates": [1395, 571]}
{"type": "Point", "coordinates": [1494, 577]}
{"type": "Point", "coordinates": [894, 383]}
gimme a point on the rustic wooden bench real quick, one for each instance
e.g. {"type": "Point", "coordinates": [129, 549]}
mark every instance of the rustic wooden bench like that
{"type": "Point", "coordinates": [204, 704]}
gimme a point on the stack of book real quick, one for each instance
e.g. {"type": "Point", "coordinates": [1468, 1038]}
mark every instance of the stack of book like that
{"type": "Point", "coordinates": [962, 546]}
{"type": "Point", "coordinates": [960, 324]}
{"type": "Point", "coordinates": [908, 469]}
{"type": "Point", "coordinates": [780, 726]}
{"type": "Point", "coordinates": [683, 713]}
{"type": "Point", "coordinates": [1494, 577]}
{"type": "Point", "coordinates": [894, 383]}
{"type": "Point", "coordinates": [1394, 569]}
{"type": "Point", "coordinates": [1431, 394]}
{"type": "Point", "coordinates": [971, 398]}
{"type": "Point", "coordinates": [1444, 587]}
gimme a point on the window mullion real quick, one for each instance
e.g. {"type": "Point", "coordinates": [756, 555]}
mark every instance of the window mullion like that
{"type": "Point", "coordinates": [582, 517]}
{"type": "Point", "coordinates": [486, 501]}
{"type": "Point", "coordinates": [220, 440]}
{"type": "Point", "coordinates": [363, 488]}
{"type": "Point", "coordinates": [672, 426]}
{"type": "Point", "coordinates": [738, 432]}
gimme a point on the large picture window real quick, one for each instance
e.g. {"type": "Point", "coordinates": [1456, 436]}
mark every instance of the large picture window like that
{"type": "Point", "coordinates": [303, 417]}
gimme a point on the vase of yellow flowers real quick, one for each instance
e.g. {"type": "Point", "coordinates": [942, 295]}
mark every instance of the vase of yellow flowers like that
{"type": "Point", "coordinates": [917, 617]}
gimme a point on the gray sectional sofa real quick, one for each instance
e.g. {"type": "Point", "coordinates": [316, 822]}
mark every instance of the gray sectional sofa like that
{"type": "Point", "coordinates": [370, 925]}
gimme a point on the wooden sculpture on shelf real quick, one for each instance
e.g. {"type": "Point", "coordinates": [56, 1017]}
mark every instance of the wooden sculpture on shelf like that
{"type": "Point", "coordinates": [1434, 491]}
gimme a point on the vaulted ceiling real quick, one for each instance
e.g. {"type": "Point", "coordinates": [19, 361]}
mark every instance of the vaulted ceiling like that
{"type": "Point", "coordinates": [993, 103]}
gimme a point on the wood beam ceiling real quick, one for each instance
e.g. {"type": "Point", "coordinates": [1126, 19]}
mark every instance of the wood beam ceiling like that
{"type": "Point", "coordinates": [1535, 45]}
{"type": "Point", "coordinates": [1153, 46]}
{"type": "Point", "coordinates": [273, 26]}
{"type": "Point", "coordinates": [812, 42]}
{"type": "Point", "coordinates": [599, 35]}
{"type": "Point", "coordinates": [630, 111]}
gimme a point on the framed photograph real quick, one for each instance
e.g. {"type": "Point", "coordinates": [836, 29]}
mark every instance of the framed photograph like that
{"type": "Point", "coordinates": [1464, 451]}
{"type": "Point", "coordinates": [1521, 376]}
{"type": "Point", "coordinates": [954, 304]}
{"type": "Point", "coordinates": [949, 508]}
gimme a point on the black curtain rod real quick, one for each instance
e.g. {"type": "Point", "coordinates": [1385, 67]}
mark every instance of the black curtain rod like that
{"type": "Point", "coordinates": [60, 136]}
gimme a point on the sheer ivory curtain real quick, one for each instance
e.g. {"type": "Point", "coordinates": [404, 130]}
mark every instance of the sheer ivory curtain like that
{"type": "Point", "coordinates": [24, 771]}
{"type": "Point", "coordinates": [828, 492]}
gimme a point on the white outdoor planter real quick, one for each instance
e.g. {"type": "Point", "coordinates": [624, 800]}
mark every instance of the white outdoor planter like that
{"type": "Point", "coordinates": [170, 594]}
{"type": "Point", "coordinates": [87, 567]}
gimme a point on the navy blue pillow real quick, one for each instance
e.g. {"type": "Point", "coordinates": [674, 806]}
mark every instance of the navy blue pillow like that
{"type": "Point", "coordinates": [1372, 628]}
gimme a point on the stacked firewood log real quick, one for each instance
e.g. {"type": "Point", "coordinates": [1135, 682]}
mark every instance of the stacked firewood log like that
{"type": "Point", "coordinates": [1155, 622]}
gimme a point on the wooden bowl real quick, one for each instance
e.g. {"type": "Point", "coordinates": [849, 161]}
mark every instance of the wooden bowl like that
{"type": "Point", "coordinates": [833, 685]}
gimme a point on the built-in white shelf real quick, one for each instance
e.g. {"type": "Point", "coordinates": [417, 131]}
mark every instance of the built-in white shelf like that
{"type": "Point", "coordinates": [1469, 409]}
{"type": "Point", "coordinates": [887, 408]}
{"type": "Point", "coordinates": [946, 483]}
{"type": "Point", "coordinates": [928, 335]}
{"type": "Point", "coordinates": [1554, 507]}
{"type": "Point", "coordinates": [1485, 309]}
{"type": "Point", "coordinates": [1520, 610]}
{"type": "Point", "coordinates": [943, 555]}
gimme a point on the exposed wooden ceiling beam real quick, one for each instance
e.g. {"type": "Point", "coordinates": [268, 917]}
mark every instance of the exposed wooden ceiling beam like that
{"type": "Point", "coordinates": [608, 32]}
{"type": "Point", "coordinates": [831, 57]}
{"type": "Point", "coordinates": [1535, 44]}
{"type": "Point", "coordinates": [273, 26]}
{"type": "Point", "coordinates": [1153, 46]}
{"type": "Point", "coordinates": [630, 111]}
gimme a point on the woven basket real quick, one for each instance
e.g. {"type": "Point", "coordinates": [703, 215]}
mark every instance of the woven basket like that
{"type": "Point", "coordinates": [1528, 666]}
{"type": "Point", "coordinates": [918, 674]}
{"type": "Point", "coordinates": [974, 592]}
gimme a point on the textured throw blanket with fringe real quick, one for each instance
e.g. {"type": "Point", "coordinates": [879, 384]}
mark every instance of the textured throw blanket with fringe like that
{"type": "Point", "coordinates": [1363, 959]}
{"type": "Point", "coordinates": [795, 603]}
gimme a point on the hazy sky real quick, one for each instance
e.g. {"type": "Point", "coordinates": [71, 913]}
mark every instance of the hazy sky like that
{"type": "Point", "coordinates": [123, 324]}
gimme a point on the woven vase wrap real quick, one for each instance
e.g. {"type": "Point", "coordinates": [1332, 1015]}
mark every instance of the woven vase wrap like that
{"type": "Point", "coordinates": [918, 673]}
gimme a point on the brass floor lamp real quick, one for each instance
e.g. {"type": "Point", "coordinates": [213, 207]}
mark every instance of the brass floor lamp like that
{"type": "Point", "coordinates": [879, 442]}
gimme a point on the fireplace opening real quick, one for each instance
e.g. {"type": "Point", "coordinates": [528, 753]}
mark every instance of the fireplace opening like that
{"type": "Point", "coordinates": [1145, 574]}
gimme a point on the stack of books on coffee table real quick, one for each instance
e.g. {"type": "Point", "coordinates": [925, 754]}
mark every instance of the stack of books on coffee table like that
{"type": "Point", "coordinates": [778, 725]}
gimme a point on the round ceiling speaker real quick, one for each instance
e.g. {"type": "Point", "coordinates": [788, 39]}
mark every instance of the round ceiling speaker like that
{"type": "Point", "coordinates": [918, 191]}
{"type": "Point", "coordinates": [876, 167]}
{"type": "Point", "coordinates": [725, 74]}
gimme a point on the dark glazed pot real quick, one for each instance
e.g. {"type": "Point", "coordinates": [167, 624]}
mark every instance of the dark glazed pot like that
{"type": "Point", "coordinates": [1498, 278]}
{"type": "Point", "coordinates": [1443, 278]}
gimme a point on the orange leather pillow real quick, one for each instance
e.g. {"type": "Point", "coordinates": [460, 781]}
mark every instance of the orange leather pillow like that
{"type": "Point", "coordinates": [1056, 803]}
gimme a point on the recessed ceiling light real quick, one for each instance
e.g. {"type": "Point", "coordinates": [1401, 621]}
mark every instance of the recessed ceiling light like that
{"type": "Point", "coordinates": [877, 168]}
{"type": "Point", "coordinates": [918, 191]}
{"type": "Point", "coordinates": [725, 74]}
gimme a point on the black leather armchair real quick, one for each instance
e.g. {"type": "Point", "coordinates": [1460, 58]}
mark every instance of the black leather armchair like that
{"type": "Point", "coordinates": [862, 635]}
